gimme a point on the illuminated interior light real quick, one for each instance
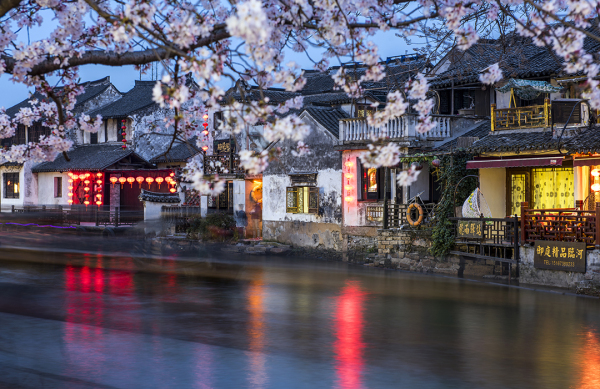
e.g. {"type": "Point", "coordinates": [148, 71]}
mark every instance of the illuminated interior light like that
{"type": "Point", "coordinates": [595, 172]}
{"type": "Point", "coordinates": [349, 199]}
{"type": "Point", "coordinates": [596, 187]}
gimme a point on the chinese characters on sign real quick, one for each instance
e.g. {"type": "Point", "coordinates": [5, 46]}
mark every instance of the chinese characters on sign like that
{"type": "Point", "coordinates": [566, 256]}
{"type": "Point", "coordinates": [223, 146]}
{"type": "Point", "coordinates": [470, 229]}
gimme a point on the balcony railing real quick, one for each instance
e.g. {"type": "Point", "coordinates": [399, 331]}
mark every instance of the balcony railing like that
{"type": "Point", "coordinates": [227, 164]}
{"type": "Point", "coordinates": [521, 117]}
{"type": "Point", "coordinates": [404, 127]}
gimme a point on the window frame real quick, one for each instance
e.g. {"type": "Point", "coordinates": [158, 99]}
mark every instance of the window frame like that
{"type": "Point", "coordinates": [304, 199]}
{"type": "Point", "coordinates": [9, 177]}
{"type": "Point", "coordinates": [58, 187]}
{"type": "Point", "coordinates": [362, 182]}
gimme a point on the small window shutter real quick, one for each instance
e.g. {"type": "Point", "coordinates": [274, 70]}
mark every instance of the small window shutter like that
{"type": "Point", "coordinates": [313, 200]}
{"type": "Point", "coordinates": [291, 200]}
{"type": "Point", "coordinates": [94, 138]}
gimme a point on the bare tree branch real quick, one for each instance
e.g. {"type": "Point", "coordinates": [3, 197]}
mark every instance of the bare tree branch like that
{"type": "Point", "coordinates": [8, 5]}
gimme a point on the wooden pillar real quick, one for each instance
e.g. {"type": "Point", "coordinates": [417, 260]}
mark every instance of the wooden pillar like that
{"type": "Point", "coordinates": [524, 206]}
{"type": "Point", "coordinates": [597, 226]}
{"type": "Point", "coordinates": [546, 112]}
{"type": "Point", "coordinates": [493, 116]}
{"type": "Point", "coordinates": [385, 199]}
{"type": "Point", "coordinates": [452, 98]}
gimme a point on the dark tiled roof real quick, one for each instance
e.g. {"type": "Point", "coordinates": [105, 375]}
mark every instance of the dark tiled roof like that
{"type": "Point", "coordinates": [137, 98]}
{"type": "Point", "coordinates": [587, 141]}
{"type": "Point", "coordinates": [515, 142]}
{"type": "Point", "coordinates": [180, 152]}
{"type": "Point", "coordinates": [93, 157]}
{"type": "Point", "coordinates": [156, 197]}
{"type": "Point", "coordinates": [91, 89]}
{"type": "Point", "coordinates": [328, 118]}
{"type": "Point", "coordinates": [480, 132]}
{"type": "Point", "coordinates": [518, 58]}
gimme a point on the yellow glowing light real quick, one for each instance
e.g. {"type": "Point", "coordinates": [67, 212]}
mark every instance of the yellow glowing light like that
{"type": "Point", "coordinates": [349, 164]}
{"type": "Point", "coordinates": [348, 187]}
{"type": "Point", "coordinates": [595, 172]}
{"type": "Point", "coordinates": [205, 117]}
{"type": "Point", "coordinates": [348, 175]}
{"type": "Point", "coordinates": [70, 194]}
{"type": "Point", "coordinates": [596, 187]}
{"type": "Point", "coordinates": [349, 199]}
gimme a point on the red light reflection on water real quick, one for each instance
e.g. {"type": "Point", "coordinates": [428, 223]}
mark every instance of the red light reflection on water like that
{"type": "Point", "coordinates": [256, 332]}
{"type": "Point", "coordinates": [590, 362]}
{"type": "Point", "coordinates": [348, 327]}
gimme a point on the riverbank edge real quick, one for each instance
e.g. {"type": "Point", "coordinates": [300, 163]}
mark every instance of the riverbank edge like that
{"type": "Point", "coordinates": [207, 268]}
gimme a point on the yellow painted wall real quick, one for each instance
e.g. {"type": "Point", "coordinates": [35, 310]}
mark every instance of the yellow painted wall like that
{"type": "Point", "coordinates": [493, 188]}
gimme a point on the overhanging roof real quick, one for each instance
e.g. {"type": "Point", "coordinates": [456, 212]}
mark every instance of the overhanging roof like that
{"type": "Point", "coordinates": [517, 162]}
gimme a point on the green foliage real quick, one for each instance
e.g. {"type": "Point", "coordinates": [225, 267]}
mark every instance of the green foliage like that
{"type": "Point", "coordinates": [215, 226]}
{"type": "Point", "coordinates": [452, 169]}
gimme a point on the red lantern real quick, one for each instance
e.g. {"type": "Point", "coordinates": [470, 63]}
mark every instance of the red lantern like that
{"type": "Point", "coordinates": [82, 176]}
{"type": "Point", "coordinates": [113, 181]}
{"type": "Point", "coordinates": [70, 181]}
{"type": "Point", "coordinates": [159, 180]}
{"type": "Point", "coordinates": [99, 203]}
{"type": "Point", "coordinates": [122, 180]}
{"type": "Point", "coordinates": [99, 182]}
{"type": "Point", "coordinates": [86, 203]}
{"type": "Point", "coordinates": [205, 117]}
{"type": "Point", "coordinates": [86, 182]}
{"type": "Point", "coordinates": [204, 148]}
{"type": "Point", "coordinates": [149, 180]}
{"type": "Point", "coordinates": [70, 194]}
{"type": "Point", "coordinates": [131, 180]}
{"type": "Point", "coordinates": [205, 125]}
{"type": "Point", "coordinates": [205, 132]}
{"type": "Point", "coordinates": [173, 190]}
{"type": "Point", "coordinates": [98, 174]}
{"type": "Point", "coordinates": [172, 174]}
{"type": "Point", "coordinates": [140, 180]}
{"type": "Point", "coordinates": [86, 189]}
{"type": "Point", "coordinates": [70, 201]}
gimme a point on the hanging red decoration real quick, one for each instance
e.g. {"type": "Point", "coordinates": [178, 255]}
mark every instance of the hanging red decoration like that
{"type": "Point", "coordinates": [159, 180]}
{"type": "Point", "coordinates": [113, 181]}
{"type": "Point", "coordinates": [122, 180]}
{"type": "Point", "coordinates": [149, 180]}
{"type": "Point", "coordinates": [140, 180]}
{"type": "Point", "coordinates": [173, 190]}
{"type": "Point", "coordinates": [131, 180]}
{"type": "Point", "coordinates": [123, 128]}
{"type": "Point", "coordinates": [86, 203]}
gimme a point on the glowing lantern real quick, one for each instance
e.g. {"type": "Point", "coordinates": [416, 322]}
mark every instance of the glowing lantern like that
{"type": "Point", "coordinates": [99, 175]}
{"type": "Point", "coordinates": [596, 187]}
{"type": "Point", "coordinates": [140, 180]}
{"type": "Point", "coordinates": [205, 117]}
{"type": "Point", "coordinates": [349, 164]}
{"type": "Point", "coordinates": [86, 182]}
{"type": "Point", "coordinates": [173, 190]}
{"type": "Point", "coordinates": [348, 187]}
{"type": "Point", "coordinates": [99, 203]}
{"type": "Point", "coordinates": [348, 175]}
{"type": "Point", "coordinates": [122, 181]}
{"type": "Point", "coordinates": [595, 172]}
{"type": "Point", "coordinates": [159, 180]}
{"type": "Point", "coordinates": [86, 189]}
{"type": "Point", "coordinates": [205, 125]}
{"type": "Point", "coordinates": [172, 174]}
{"type": "Point", "coordinates": [86, 203]}
{"type": "Point", "coordinates": [70, 181]}
{"type": "Point", "coordinates": [349, 199]}
{"type": "Point", "coordinates": [204, 148]}
{"type": "Point", "coordinates": [113, 181]}
{"type": "Point", "coordinates": [70, 201]}
{"type": "Point", "coordinates": [131, 180]}
{"type": "Point", "coordinates": [149, 180]}
{"type": "Point", "coordinates": [70, 188]}
{"type": "Point", "coordinates": [70, 194]}
{"type": "Point", "coordinates": [205, 132]}
{"type": "Point", "coordinates": [82, 176]}
{"type": "Point", "coordinates": [99, 182]}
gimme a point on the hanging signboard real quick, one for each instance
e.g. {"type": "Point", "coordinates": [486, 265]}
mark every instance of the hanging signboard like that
{"type": "Point", "coordinates": [469, 229]}
{"type": "Point", "coordinates": [224, 146]}
{"type": "Point", "coordinates": [565, 256]}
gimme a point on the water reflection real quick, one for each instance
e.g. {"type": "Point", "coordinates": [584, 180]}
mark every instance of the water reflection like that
{"type": "Point", "coordinates": [256, 332]}
{"type": "Point", "coordinates": [590, 361]}
{"type": "Point", "coordinates": [348, 326]}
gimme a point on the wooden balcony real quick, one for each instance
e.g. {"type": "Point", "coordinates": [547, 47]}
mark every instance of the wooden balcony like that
{"type": "Point", "coordinates": [226, 164]}
{"type": "Point", "coordinates": [533, 116]}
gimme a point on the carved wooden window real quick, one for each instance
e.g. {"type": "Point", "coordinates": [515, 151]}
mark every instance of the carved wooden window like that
{"type": "Point", "coordinates": [11, 185]}
{"type": "Point", "coordinates": [302, 199]}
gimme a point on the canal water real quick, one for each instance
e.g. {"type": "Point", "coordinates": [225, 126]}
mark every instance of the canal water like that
{"type": "Point", "coordinates": [285, 323]}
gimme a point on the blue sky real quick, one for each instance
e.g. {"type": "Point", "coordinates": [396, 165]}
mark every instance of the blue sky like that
{"type": "Point", "coordinates": [124, 77]}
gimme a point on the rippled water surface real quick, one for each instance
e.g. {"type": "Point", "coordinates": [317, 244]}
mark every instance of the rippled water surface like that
{"type": "Point", "coordinates": [293, 323]}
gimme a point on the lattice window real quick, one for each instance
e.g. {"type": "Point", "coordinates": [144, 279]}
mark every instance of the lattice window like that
{"type": "Point", "coordinates": [11, 185]}
{"type": "Point", "coordinates": [302, 199]}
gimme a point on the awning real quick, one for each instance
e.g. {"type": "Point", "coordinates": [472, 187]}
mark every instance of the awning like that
{"type": "Point", "coordinates": [517, 162]}
{"type": "Point", "coordinates": [528, 89]}
{"type": "Point", "coordinates": [586, 161]}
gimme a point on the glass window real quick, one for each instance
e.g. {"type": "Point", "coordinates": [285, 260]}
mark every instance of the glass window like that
{"type": "Point", "coordinates": [302, 199]}
{"type": "Point", "coordinates": [553, 188]}
{"type": "Point", "coordinates": [57, 186]}
{"type": "Point", "coordinates": [372, 180]}
{"type": "Point", "coordinates": [11, 185]}
{"type": "Point", "coordinates": [518, 186]}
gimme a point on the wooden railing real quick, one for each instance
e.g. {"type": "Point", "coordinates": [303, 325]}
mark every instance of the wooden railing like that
{"type": "Point", "coordinates": [561, 224]}
{"type": "Point", "coordinates": [222, 164]}
{"type": "Point", "coordinates": [396, 214]}
{"type": "Point", "coordinates": [358, 130]}
{"type": "Point", "coordinates": [521, 117]}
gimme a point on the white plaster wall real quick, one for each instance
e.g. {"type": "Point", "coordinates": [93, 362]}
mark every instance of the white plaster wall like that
{"type": "Point", "coordinates": [46, 189]}
{"type": "Point", "coordinates": [152, 210]}
{"type": "Point", "coordinates": [29, 185]}
{"type": "Point", "coordinates": [502, 100]}
{"type": "Point", "coordinates": [239, 194]}
{"type": "Point", "coordinates": [493, 188]}
{"type": "Point", "coordinates": [7, 203]}
{"type": "Point", "coordinates": [274, 196]}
